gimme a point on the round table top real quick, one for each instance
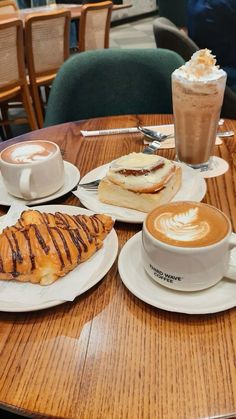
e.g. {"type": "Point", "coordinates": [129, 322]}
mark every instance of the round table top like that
{"type": "Point", "coordinates": [107, 354]}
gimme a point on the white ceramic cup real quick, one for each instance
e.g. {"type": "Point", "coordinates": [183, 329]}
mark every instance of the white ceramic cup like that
{"type": "Point", "coordinates": [32, 169]}
{"type": "Point", "coordinates": [188, 268]}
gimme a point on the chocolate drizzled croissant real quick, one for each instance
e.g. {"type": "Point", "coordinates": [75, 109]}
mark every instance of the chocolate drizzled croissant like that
{"type": "Point", "coordinates": [42, 247]}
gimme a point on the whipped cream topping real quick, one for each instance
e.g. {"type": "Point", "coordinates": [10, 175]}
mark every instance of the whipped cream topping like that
{"type": "Point", "coordinates": [182, 227]}
{"type": "Point", "coordinates": [201, 67]}
{"type": "Point", "coordinates": [29, 153]}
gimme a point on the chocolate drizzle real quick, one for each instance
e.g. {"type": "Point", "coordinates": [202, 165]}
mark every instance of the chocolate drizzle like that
{"type": "Point", "coordinates": [41, 240]}
{"type": "Point", "coordinates": [56, 246]}
{"type": "Point", "coordinates": [31, 255]}
{"type": "Point", "coordinates": [68, 254]}
{"type": "Point", "coordinates": [76, 243]}
{"type": "Point", "coordinates": [1, 265]}
{"type": "Point", "coordinates": [19, 257]}
{"type": "Point", "coordinates": [14, 257]}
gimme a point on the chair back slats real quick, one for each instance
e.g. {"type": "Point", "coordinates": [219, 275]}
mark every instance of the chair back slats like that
{"type": "Point", "coordinates": [94, 26]}
{"type": "Point", "coordinates": [9, 70]}
{"type": "Point", "coordinates": [8, 6]}
{"type": "Point", "coordinates": [48, 44]}
{"type": "Point", "coordinates": [13, 82]}
{"type": "Point", "coordinates": [47, 47]}
{"type": "Point", "coordinates": [95, 29]}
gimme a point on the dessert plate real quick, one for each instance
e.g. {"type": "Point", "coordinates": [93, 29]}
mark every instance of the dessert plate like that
{"type": "Point", "coordinates": [218, 298]}
{"type": "Point", "coordinates": [72, 177]}
{"type": "Point", "coordinates": [22, 297]}
{"type": "Point", "coordinates": [193, 189]}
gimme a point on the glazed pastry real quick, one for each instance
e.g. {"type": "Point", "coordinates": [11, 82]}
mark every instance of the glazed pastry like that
{"type": "Point", "coordinates": [99, 225]}
{"type": "Point", "coordinates": [49, 247]}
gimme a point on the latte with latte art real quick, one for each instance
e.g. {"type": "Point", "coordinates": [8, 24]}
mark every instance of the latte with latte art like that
{"type": "Point", "coordinates": [28, 152]}
{"type": "Point", "coordinates": [187, 224]}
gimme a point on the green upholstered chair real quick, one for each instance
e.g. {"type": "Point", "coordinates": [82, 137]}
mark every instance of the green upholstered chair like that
{"type": "Point", "coordinates": [168, 36]}
{"type": "Point", "coordinates": [112, 82]}
{"type": "Point", "coordinates": [174, 10]}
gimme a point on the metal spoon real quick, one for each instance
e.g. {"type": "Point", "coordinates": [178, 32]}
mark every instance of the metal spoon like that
{"type": "Point", "coordinates": [225, 134]}
{"type": "Point", "coordinates": [154, 135]}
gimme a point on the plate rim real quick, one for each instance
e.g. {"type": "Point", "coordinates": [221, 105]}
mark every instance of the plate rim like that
{"type": "Point", "coordinates": [53, 303]}
{"type": "Point", "coordinates": [143, 214]}
{"type": "Point", "coordinates": [132, 242]}
{"type": "Point", "coordinates": [68, 167]}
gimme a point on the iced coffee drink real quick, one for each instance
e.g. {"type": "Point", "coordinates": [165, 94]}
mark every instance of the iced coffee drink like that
{"type": "Point", "coordinates": [197, 90]}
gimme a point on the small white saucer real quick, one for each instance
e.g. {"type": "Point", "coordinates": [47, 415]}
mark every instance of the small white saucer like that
{"type": "Point", "coordinates": [217, 167]}
{"type": "Point", "coordinates": [212, 300]}
{"type": "Point", "coordinates": [72, 177]}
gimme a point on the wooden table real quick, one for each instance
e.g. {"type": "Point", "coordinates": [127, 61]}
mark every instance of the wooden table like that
{"type": "Point", "coordinates": [108, 355]}
{"type": "Point", "coordinates": [75, 10]}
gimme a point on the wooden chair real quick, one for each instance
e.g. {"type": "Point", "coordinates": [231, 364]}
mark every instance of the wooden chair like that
{"type": "Point", "coordinates": [13, 82]}
{"type": "Point", "coordinates": [94, 26]}
{"type": "Point", "coordinates": [47, 47]}
{"type": "Point", "coordinates": [8, 6]}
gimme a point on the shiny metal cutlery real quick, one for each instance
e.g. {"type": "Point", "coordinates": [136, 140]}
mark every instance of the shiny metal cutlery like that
{"type": "Point", "coordinates": [224, 134]}
{"type": "Point", "coordinates": [154, 135]}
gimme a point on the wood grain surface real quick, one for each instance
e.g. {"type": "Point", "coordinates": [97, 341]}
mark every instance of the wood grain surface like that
{"type": "Point", "coordinates": [108, 355]}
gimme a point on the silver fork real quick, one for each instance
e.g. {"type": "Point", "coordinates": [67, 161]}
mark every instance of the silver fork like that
{"type": "Point", "coordinates": [93, 185]}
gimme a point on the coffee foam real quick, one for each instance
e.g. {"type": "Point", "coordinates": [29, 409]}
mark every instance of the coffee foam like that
{"type": "Point", "coordinates": [29, 152]}
{"type": "Point", "coordinates": [183, 226]}
{"type": "Point", "coordinates": [187, 224]}
{"type": "Point", "coordinates": [201, 67]}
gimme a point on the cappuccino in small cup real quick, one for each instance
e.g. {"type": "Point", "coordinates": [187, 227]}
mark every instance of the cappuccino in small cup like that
{"type": "Point", "coordinates": [186, 245]}
{"type": "Point", "coordinates": [32, 169]}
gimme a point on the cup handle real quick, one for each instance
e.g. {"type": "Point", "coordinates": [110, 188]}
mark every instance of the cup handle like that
{"type": "Point", "coordinates": [231, 272]}
{"type": "Point", "coordinates": [25, 185]}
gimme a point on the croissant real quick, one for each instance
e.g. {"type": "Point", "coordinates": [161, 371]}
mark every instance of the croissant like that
{"type": "Point", "coordinates": [40, 247]}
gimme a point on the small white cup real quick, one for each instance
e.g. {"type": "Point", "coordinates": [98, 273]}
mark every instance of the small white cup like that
{"type": "Point", "coordinates": [188, 268]}
{"type": "Point", "coordinates": [32, 176]}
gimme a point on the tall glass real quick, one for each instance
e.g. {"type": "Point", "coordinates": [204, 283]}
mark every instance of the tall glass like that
{"type": "Point", "coordinates": [197, 106]}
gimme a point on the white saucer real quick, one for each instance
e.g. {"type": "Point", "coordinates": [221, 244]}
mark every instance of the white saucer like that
{"type": "Point", "coordinates": [212, 300]}
{"type": "Point", "coordinates": [217, 167]}
{"type": "Point", "coordinates": [193, 188]}
{"type": "Point", "coordinates": [72, 177]}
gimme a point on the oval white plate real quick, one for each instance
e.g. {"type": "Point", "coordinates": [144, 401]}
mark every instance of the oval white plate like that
{"type": "Point", "coordinates": [81, 279]}
{"type": "Point", "coordinates": [193, 189]}
{"type": "Point", "coordinates": [72, 177]}
{"type": "Point", "coordinates": [212, 300]}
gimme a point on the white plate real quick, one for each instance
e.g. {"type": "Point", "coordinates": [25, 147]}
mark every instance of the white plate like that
{"type": "Point", "coordinates": [193, 189]}
{"type": "Point", "coordinates": [72, 177]}
{"type": "Point", "coordinates": [81, 279]}
{"type": "Point", "coordinates": [212, 300]}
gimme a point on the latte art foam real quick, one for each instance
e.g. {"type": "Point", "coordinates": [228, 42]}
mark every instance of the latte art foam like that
{"type": "Point", "coordinates": [187, 224]}
{"type": "Point", "coordinates": [28, 152]}
{"type": "Point", "coordinates": [184, 226]}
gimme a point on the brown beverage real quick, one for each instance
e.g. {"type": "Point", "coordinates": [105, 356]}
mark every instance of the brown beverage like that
{"type": "Point", "coordinates": [187, 224]}
{"type": "Point", "coordinates": [197, 90]}
{"type": "Point", "coordinates": [28, 152]}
